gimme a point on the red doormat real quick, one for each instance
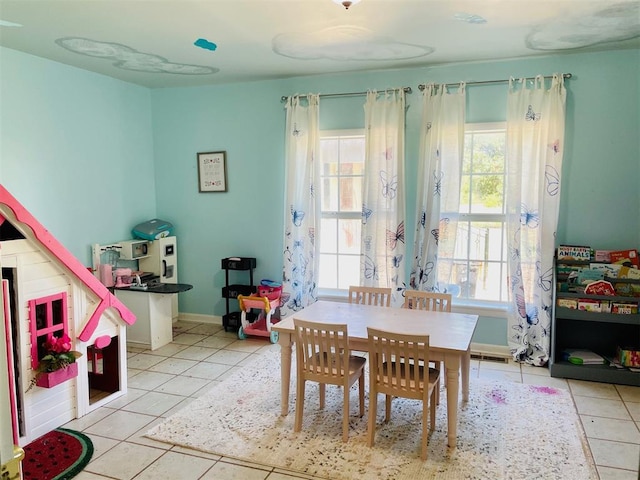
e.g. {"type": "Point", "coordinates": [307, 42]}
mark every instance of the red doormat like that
{"type": "Point", "coordinates": [58, 455]}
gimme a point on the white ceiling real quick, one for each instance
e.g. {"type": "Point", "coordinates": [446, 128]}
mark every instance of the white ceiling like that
{"type": "Point", "coordinates": [151, 42]}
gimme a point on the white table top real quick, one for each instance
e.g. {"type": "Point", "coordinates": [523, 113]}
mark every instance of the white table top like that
{"type": "Point", "coordinates": [447, 331]}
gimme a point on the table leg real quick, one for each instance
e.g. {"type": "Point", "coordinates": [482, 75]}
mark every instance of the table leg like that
{"type": "Point", "coordinates": [452, 367]}
{"type": "Point", "coordinates": [466, 369]}
{"type": "Point", "coordinates": [284, 339]}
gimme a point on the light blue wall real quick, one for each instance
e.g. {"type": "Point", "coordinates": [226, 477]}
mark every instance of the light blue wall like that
{"type": "Point", "coordinates": [600, 187]}
{"type": "Point", "coordinates": [119, 154]}
{"type": "Point", "coordinates": [76, 150]}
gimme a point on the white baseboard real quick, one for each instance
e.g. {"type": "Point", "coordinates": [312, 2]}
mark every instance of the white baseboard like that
{"type": "Point", "coordinates": [199, 318]}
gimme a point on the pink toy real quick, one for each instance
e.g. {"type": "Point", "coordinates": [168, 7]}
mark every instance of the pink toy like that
{"type": "Point", "coordinates": [267, 300]}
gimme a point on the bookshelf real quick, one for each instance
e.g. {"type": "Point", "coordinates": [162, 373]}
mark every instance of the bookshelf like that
{"type": "Point", "coordinates": [599, 331]}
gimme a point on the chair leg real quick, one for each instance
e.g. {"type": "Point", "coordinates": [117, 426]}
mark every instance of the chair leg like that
{"type": "Point", "coordinates": [432, 407]}
{"type": "Point", "coordinates": [345, 415]}
{"type": "Point", "coordinates": [373, 407]}
{"type": "Point", "coordinates": [361, 393]}
{"type": "Point", "coordinates": [423, 442]}
{"type": "Point", "coordinates": [323, 391]}
{"type": "Point", "coordinates": [299, 405]}
{"type": "Point", "coordinates": [387, 408]}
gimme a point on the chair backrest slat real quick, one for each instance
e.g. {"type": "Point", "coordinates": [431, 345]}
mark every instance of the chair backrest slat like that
{"type": "Point", "coordinates": [419, 300]}
{"type": "Point", "coordinates": [380, 296]}
{"type": "Point", "coordinates": [322, 350]}
{"type": "Point", "coordinates": [407, 353]}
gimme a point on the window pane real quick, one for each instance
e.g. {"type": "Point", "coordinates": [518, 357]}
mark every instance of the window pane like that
{"type": "Point", "coordinates": [329, 156]}
{"type": "Point", "coordinates": [58, 313]}
{"type": "Point", "coordinates": [329, 236]}
{"type": "Point", "coordinates": [328, 276]}
{"type": "Point", "coordinates": [352, 156]}
{"type": "Point", "coordinates": [486, 241]}
{"type": "Point", "coordinates": [351, 194]}
{"type": "Point", "coordinates": [487, 281]}
{"type": "Point", "coordinates": [487, 193]}
{"type": "Point", "coordinates": [41, 316]}
{"type": "Point", "coordinates": [468, 149]}
{"type": "Point", "coordinates": [464, 276]}
{"type": "Point", "coordinates": [42, 339]}
{"type": "Point", "coordinates": [349, 272]}
{"type": "Point", "coordinates": [465, 193]}
{"type": "Point", "coordinates": [329, 194]}
{"type": "Point", "coordinates": [488, 152]}
{"type": "Point", "coordinates": [349, 238]}
{"type": "Point", "coordinates": [462, 240]}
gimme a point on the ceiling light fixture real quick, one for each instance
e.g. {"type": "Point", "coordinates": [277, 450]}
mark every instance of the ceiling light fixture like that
{"type": "Point", "coordinates": [346, 3]}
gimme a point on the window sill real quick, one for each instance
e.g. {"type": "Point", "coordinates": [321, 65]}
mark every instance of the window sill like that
{"type": "Point", "coordinates": [484, 309]}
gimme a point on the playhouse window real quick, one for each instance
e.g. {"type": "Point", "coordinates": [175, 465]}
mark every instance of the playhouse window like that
{"type": "Point", "coordinates": [47, 317]}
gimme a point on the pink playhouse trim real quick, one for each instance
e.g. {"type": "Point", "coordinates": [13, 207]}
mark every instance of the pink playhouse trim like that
{"type": "Point", "coordinates": [50, 329]}
{"type": "Point", "coordinates": [9, 343]}
{"type": "Point", "coordinates": [72, 263]}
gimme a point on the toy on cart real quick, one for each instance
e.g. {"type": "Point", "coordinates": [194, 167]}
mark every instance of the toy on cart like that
{"type": "Point", "coordinates": [267, 300]}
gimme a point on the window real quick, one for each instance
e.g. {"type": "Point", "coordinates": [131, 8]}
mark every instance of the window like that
{"type": "Point", "coordinates": [48, 318]}
{"type": "Point", "coordinates": [341, 179]}
{"type": "Point", "coordinates": [480, 261]}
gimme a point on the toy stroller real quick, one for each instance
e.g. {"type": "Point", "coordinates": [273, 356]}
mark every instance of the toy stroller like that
{"type": "Point", "coordinates": [267, 299]}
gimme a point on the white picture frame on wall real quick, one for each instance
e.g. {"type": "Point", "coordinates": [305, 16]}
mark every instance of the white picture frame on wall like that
{"type": "Point", "coordinates": [212, 172]}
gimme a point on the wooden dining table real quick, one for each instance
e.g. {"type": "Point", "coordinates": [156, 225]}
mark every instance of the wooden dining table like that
{"type": "Point", "coordinates": [449, 341]}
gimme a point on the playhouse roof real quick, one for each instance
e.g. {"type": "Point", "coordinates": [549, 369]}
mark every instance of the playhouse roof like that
{"type": "Point", "coordinates": [41, 235]}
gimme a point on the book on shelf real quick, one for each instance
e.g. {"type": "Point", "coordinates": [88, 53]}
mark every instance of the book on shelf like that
{"type": "Point", "coordinates": [628, 258]}
{"type": "Point", "coordinates": [582, 357]}
{"type": "Point", "coordinates": [629, 273]}
{"type": "Point", "coordinates": [574, 253]}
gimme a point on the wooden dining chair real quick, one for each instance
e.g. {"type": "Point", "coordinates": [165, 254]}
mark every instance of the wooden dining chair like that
{"type": "Point", "coordinates": [322, 355]}
{"type": "Point", "coordinates": [397, 368]}
{"type": "Point", "coordinates": [370, 295]}
{"type": "Point", "coordinates": [419, 300]}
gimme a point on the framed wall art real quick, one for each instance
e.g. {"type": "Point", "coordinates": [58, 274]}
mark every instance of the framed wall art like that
{"type": "Point", "coordinates": [212, 172]}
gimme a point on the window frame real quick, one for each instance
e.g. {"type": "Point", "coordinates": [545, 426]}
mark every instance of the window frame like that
{"type": "Point", "coordinates": [49, 330]}
{"type": "Point", "coordinates": [469, 218]}
{"type": "Point", "coordinates": [336, 214]}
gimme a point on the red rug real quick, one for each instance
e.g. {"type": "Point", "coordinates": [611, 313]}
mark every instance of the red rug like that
{"type": "Point", "coordinates": [58, 455]}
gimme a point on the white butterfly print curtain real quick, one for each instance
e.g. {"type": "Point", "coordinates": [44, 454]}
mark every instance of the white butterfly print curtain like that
{"type": "Point", "coordinates": [535, 143]}
{"type": "Point", "coordinates": [438, 195]}
{"type": "Point", "coordinates": [383, 249]}
{"type": "Point", "coordinates": [302, 205]}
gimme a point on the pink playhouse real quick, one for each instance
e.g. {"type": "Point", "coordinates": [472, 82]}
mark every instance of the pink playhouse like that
{"type": "Point", "coordinates": [46, 290]}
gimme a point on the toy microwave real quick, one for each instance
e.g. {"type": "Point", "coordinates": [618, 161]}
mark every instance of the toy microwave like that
{"type": "Point", "coordinates": [152, 229]}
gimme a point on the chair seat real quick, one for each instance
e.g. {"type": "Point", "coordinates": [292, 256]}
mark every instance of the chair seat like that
{"type": "Point", "coordinates": [390, 368]}
{"type": "Point", "coordinates": [355, 363]}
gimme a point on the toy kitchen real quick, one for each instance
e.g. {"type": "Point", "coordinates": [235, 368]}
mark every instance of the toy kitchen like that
{"type": "Point", "coordinates": [143, 274]}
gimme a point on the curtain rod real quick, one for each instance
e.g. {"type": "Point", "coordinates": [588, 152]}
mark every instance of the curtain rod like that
{"type": "Point", "coordinates": [351, 94]}
{"type": "Point", "coordinates": [422, 86]}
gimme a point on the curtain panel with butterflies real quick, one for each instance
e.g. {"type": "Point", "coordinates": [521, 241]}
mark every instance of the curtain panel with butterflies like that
{"type": "Point", "coordinates": [383, 250]}
{"type": "Point", "coordinates": [438, 195]}
{"type": "Point", "coordinates": [302, 205]}
{"type": "Point", "coordinates": [535, 142]}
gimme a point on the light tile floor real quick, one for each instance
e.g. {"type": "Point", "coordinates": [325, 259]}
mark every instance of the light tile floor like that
{"type": "Point", "coordinates": [164, 381]}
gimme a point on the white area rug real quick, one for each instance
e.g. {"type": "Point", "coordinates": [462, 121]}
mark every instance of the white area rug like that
{"type": "Point", "coordinates": [505, 431]}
